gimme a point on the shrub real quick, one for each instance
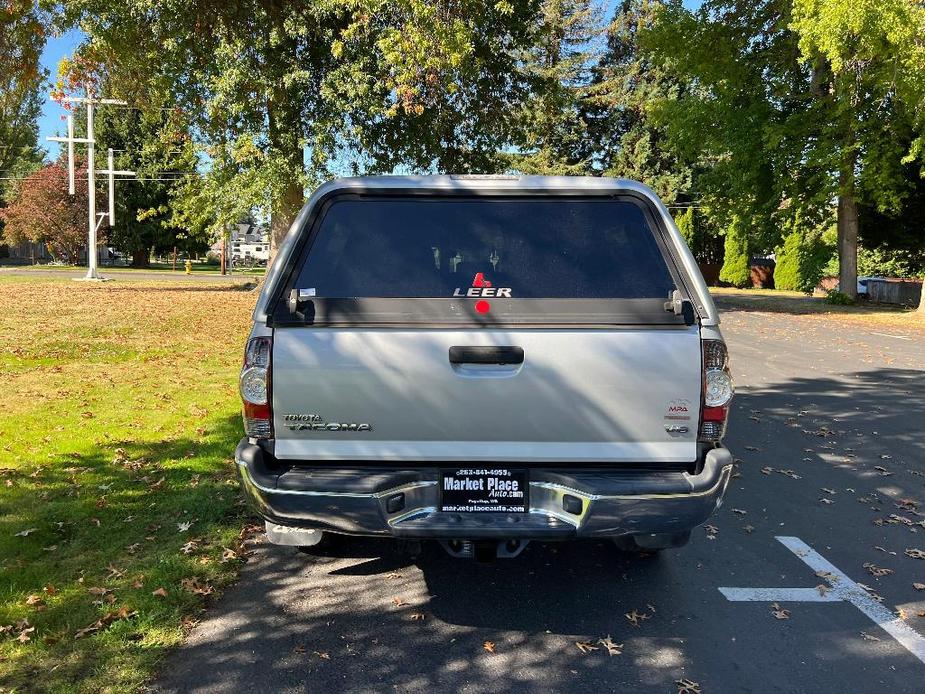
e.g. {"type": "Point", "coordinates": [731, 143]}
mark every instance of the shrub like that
{"type": "Point", "coordinates": [685, 224]}
{"type": "Point", "coordinates": [837, 298]}
{"type": "Point", "coordinates": [736, 270]}
{"type": "Point", "coordinates": [802, 261]}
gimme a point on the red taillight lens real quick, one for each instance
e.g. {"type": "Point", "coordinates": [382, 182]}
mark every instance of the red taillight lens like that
{"type": "Point", "coordinates": [717, 391]}
{"type": "Point", "coordinates": [255, 388]}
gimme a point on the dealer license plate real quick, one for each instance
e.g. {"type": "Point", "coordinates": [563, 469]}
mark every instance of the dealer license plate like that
{"type": "Point", "coordinates": [475, 490]}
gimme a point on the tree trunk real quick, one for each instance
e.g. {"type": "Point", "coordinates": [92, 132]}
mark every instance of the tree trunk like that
{"type": "Point", "coordinates": [848, 226]}
{"type": "Point", "coordinates": [141, 257]}
{"type": "Point", "coordinates": [848, 245]}
{"type": "Point", "coordinates": [922, 300]}
{"type": "Point", "coordinates": [284, 213]}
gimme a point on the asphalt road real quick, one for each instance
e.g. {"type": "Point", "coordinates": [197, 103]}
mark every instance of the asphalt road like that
{"type": "Point", "coordinates": [832, 413]}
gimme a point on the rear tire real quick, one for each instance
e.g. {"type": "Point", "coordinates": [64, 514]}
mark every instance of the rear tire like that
{"type": "Point", "coordinates": [651, 543]}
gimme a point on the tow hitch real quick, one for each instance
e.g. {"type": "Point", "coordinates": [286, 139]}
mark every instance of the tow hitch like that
{"type": "Point", "coordinates": [485, 551]}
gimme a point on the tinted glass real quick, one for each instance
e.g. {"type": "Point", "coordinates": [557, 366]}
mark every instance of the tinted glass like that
{"type": "Point", "coordinates": [440, 248]}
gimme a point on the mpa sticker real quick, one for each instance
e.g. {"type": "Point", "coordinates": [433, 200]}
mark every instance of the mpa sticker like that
{"type": "Point", "coordinates": [679, 410]}
{"type": "Point", "coordinates": [482, 289]}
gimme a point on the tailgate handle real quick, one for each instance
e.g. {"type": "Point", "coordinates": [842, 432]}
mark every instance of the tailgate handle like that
{"type": "Point", "coordinates": [486, 355]}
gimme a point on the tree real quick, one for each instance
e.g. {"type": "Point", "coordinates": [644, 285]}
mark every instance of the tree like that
{"type": "Point", "coordinates": [736, 268]}
{"type": "Point", "coordinates": [553, 137]}
{"type": "Point", "coordinates": [278, 92]}
{"type": "Point", "coordinates": [799, 103]}
{"type": "Point", "coordinates": [22, 38]}
{"type": "Point", "coordinates": [870, 58]}
{"type": "Point", "coordinates": [627, 85]}
{"type": "Point", "coordinates": [42, 211]}
{"type": "Point", "coordinates": [144, 140]}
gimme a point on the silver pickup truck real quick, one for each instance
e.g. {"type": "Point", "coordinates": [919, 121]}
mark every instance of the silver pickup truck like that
{"type": "Point", "coordinates": [484, 361]}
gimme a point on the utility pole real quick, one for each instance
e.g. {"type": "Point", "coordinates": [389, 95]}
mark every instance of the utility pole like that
{"type": "Point", "coordinates": [95, 220]}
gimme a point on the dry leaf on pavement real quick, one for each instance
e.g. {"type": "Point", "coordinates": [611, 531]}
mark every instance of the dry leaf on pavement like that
{"type": "Point", "coordinates": [612, 648]}
{"type": "Point", "coordinates": [688, 686]}
{"type": "Point", "coordinates": [779, 613]}
{"type": "Point", "coordinates": [489, 646]}
{"type": "Point", "coordinates": [875, 570]}
{"type": "Point", "coordinates": [635, 617]}
{"type": "Point", "coordinates": [586, 646]}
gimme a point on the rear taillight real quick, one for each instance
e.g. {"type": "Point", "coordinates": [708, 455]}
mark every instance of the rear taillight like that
{"type": "Point", "coordinates": [255, 388]}
{"type": "Point", "coordinates": [717, 391]}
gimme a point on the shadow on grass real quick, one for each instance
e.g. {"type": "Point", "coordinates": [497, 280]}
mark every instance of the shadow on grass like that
{"type": "Point", "coordinates": [112, 517]}
{"type": "Point", "coordinates": [801, 305]}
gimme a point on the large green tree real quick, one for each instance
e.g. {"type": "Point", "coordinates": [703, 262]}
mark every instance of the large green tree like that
{"type": "Point", "coordinates": [870, 56]}
{"type": "Point", "coordinates": [799, 103]}
{"type": "Point", "coordinates": [281, 93]}
{"type": "Point", "coordinates": [557, 64]}
{"type": "Point", "coordinates": [150, 142]}
{"type": "Point", "coordinates": [627, 84]}
{"type": "Point", "coordinates": [23, 28]}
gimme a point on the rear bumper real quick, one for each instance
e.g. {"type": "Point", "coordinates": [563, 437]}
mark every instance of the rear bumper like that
{"type": "Point", "coordinates": [404, 502]}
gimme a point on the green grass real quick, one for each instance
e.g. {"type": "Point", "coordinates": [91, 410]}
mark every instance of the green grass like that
{"type": "Point", "coordinates": [198, 268]}
{"type": "Point", "coordinates": [118, 427]}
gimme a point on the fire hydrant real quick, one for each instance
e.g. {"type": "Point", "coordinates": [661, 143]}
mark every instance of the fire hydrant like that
{"type": "Point", "coordinates": [189, 267]}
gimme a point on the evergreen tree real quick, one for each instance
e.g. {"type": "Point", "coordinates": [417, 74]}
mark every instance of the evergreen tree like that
{"type": "Point", "coordinates": [557, 67]}
{"type": "Point", "coordinates": [736, 268]}
{"type": "Point", "coordinates": [628, 85]}
{"type": "Point", "coordinates": [685, 222]}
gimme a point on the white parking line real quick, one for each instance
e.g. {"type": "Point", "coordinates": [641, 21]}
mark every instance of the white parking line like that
{"type": "Point", "coordinates": [842, 589]}
{"type": "Point", "coordinates": [898, 337]}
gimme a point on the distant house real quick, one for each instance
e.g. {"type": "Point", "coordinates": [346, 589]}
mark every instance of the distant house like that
{"type": "Point", "coordinates": [248, 244]}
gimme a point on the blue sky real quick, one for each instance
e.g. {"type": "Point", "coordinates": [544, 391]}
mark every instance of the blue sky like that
{"type": "Point", "coordinates": [50, 122]}
{"type": "Point", "coordinates": [57, 47]}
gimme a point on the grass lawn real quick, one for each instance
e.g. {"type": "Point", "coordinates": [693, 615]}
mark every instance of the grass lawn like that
{"type": "Point", "coordinates": [120, 515]}
{"type": "Point", "coordinates": [197, 268]}
{"type": "Point", "coordinates": [779, 301]}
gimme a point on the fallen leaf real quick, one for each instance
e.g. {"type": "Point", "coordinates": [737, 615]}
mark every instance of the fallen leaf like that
{"type": "Point", "coordinates": [184, 526]}
{"type": "Point", "coordinates": [919, 586]}
{"type": "Point", "coordinates": [324, 655]}
{"type": "Point", "coordinates": [612, 648]}
{"type": "Point", "coordinates": [748, 529]}
{"type": "Point", "coordinates": [299, 648]}
{"type": "Point", "coordinates": [489, 646]}
{"type": "Point", "coordinates": [868, 637]}
{"type": "Point", "coordinates": [779, 613]}
{"type": "Point", "coordinates": [586, 646]}
{"type": "Point", "coordinates": [688, 686]}
{"type": "Point", "coordinates": [740, 511]}
{"type": "Point", "coordinates": [96, 590]}
{"type": "Point", "coordinates": [159, 593]}
{"type": "Point", "coordinates": [24, 635]}
{"type": "Point", "coordinates": [25, 533]}
{"type": "Point", "coordinates": [636, 617]}
{"type": "Point", "coordinates": [915, 553]}
{"type": "Point", "coordinates": [418, 616]}
{"type": "Point", "coordinates": [823, 589]}
{"type": "Point", "coordinates": [875, 570]}
{"type": "Point", "coordinates": [398, 602]}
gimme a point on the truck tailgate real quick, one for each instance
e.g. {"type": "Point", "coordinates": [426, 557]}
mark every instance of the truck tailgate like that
{"type": "Point", "coordinates": [598, 395]}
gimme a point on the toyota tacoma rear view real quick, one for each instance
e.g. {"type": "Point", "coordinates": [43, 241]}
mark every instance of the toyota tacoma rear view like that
{"type": "Point", "coordinates": [485, 361]}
